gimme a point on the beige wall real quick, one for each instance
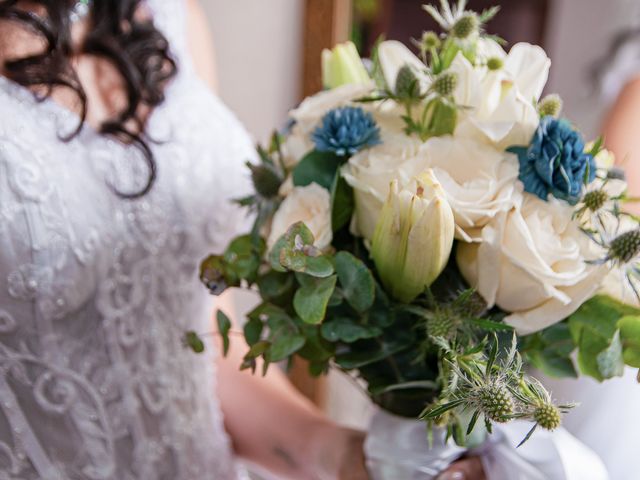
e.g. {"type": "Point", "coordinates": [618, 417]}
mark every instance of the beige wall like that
{"type": "Point", "coordinates": [259, 49]}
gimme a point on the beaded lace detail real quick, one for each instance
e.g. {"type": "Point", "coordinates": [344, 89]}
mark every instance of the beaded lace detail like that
{"type": "Point", "coordinates": [95, 291]}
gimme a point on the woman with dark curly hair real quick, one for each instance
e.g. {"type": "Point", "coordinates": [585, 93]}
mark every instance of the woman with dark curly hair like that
{"type": "Point", "coordinates": [117, 165]}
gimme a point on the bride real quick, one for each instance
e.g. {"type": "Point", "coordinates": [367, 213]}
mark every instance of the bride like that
{"type": "Point", "coordinates": [117, 166]}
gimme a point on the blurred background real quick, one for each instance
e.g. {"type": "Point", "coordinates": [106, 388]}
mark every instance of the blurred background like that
{"type": "Point", "coordinates": [268, 59]}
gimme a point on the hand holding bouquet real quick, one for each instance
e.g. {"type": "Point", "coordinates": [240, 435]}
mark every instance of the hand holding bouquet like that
{"type": "Point", "coordinates": [432, 227]}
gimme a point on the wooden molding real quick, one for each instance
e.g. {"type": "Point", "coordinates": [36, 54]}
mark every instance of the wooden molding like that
{"type": "Point", "coordinates": [326, 23]}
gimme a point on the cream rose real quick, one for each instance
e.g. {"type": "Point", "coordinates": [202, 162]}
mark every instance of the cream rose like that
{"type": "Point", "coordinates": [309, 114]}
{"type": "Point", "coordinates": [311, 205]}
{"type": "Point", "coordinates": [371, 171]}
{"type": "Point", "coordinates": [501, 102]}
{"type": "Point", "coordinates": [479, 181]}
{"type": "Point", "coordinates": [531, 263]}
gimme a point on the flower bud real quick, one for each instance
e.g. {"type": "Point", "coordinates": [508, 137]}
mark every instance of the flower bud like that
{"type": "Point", "coordinates": [551, 105]}
{"type": "Point", "coordinates": [467, 25]}
{"type": "Point", "coordinates": [547, 416]}
{"type": "Point", "coordinates": [496, 402]}
{"type": "Point", "coordinates": [495, 63]}
{"type": "Point", "coordinates": [413, 237]}
{"type": "Point", "coordinates": [445, 84]}
{"type": "Point", "coordinates": [625, 247]}
{"type": "Point", "coordinates": [393, 56]}
{"type": "Point", "coordinates": [343, 66]}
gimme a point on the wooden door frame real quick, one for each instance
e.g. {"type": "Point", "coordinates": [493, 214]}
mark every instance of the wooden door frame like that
{"type": "Point", "coordinates": [326, 23]}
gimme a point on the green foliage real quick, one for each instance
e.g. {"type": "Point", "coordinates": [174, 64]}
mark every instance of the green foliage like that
{"type": "Point", "coordinates": [550, 351]}
{"type": "Point", "coordinates": [594, 328]}
{"type": "Point", "coordinates": [224, 327]}
{"type": "Point", "coordinates": [193, 341]}
{"type": "Point", "coordinates": [342, 203]}
{"type": "Point", "coordinates": [345, 329]}
{"type": "Point", "coordinates": [630, 335]}
{"type": "Point", "coordinates": [317, 167]}
{"type": "Point", "coordinates": [311, 299]}
{"type": "Point", "coordinates": [240, 261]}
{"type": "Point", "coordinates": [356, 280]}
{"type": "Point", "coordinates": [294, 252]}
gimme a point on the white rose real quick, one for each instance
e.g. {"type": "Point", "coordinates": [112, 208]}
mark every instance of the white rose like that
{"type": "Point", "coordinates": [371, 171]}
{"type": "Point", "coordinates": [501, 102]}
{"type": "Point", "coordinates": [531, 263]}
{"type": "Point", "coordinates": [311, 205]}
{"type": "Point", "coordinates": [308, 115]}
{"type": "Point", "coordinates": [479, 181]}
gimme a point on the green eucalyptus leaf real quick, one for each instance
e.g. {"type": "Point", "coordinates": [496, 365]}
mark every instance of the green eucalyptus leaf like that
{"type": "Point", "coordinates": [358, 285]}
{"type": "Point", "coordinates": [316, 348]}
{"type": "Point", "coordinates": [253, 331]}
{"type": "Point", "coordinates": [275, 286]}
{"type": "Point", "coordinates": [317, 167]}
{"type": "Point", "coordinates": [216, 276]}
{"type": "Point", "coordinates": [361, 358]}
{"type": "Point", "coordinates": [299, 255]}
{"type": "Point", "coordinates": [310, 301]}
{"type": "Point", "coordinates": [630, 336]}
{"type": "Point", "coordinates": [553, 365]}
{"type": "Point", "coordinates": [610, 361]}
{"type": "Point", "coordinates": [224, 327]}
{"type": "Point", "coordinates": [343, 329]}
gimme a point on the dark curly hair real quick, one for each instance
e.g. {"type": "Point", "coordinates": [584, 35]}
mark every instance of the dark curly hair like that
{"type": "Point", "coordinates": [117, 33]}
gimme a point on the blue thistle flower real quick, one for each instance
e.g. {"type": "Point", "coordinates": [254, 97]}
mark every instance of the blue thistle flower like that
{"type": "Point", "coordinates": [555, 162]}
{"type": "Point", "coordinates": [346, 131]}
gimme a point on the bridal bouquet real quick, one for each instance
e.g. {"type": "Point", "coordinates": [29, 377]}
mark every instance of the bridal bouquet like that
{"type": "Point", "coordinates": [431, 226]}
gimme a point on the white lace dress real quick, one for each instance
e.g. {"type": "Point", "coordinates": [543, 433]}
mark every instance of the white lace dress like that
{"type": "Point", "coordinates": [96, 291]}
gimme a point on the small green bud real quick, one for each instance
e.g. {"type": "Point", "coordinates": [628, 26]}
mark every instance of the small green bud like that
{"type": "Point", "coordinates": [266, 179]}
{"type": "Point", "coordinates": [467, 25]}
{"type": "Point", "coordinates": [495, 63]}
{"type": "Point", "coordinates": [551, 105]}
{"type": "Point", "coordinates": [625, 247]}
{"type": "Point", "coordinates": [407, 83]}
{"type": "Point", "coordinates": [443, 324]}
{"type": "Point", "coordinates": [496, 402]}
{"type": "Point", "coordinates": [445, 84]}
{"type": "Point", "coordinates": [430, 40]}
{"type": "Point", "coordinates": [595, 199]}
{"type": "Point", "coordinates": [547, 416]}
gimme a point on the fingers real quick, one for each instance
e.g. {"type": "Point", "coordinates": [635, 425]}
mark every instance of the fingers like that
{"type": "Point", "coordinates": [466, 469]}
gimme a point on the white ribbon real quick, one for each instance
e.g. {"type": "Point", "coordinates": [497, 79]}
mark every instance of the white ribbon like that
{"type": "Point", "coordinates": [398, 448]}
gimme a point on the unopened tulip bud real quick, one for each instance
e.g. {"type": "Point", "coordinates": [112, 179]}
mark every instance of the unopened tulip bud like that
{"type": "Point", "coordinates": [413, 237]}
{"type": "Point", "coordinates": [343, 66]}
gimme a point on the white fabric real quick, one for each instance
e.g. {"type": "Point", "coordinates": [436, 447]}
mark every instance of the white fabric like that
{"type": "Point", "coordinates": [96, 291]}
{"type": "Point", "coordinates": [398, 448]}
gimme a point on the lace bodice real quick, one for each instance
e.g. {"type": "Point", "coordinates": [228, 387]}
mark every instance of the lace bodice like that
{"type": "Point", "coordinates": [96, 291]}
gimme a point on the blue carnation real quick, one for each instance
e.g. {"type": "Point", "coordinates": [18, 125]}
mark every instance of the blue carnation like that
{"type": "Point", "coordinates": [555, 162]}
{"type": "Point", "coordinates": [346, 131]}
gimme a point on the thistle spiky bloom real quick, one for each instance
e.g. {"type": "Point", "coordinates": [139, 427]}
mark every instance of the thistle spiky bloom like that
{"type": "Point", "coordinates": [496, 402]}
{"type": "Point", "coordinates": [467, 25]}
{"type": "Point", "coordinates": [346, 131]}
{"type": "Point", "coordinates": [445, 84]}
{"type": "Point", "coordinates": [625, 247]}
{"type": "Point", "coordinates": [547, 416]}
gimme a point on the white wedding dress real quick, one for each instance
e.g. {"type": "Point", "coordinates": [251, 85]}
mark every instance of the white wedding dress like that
{"type": "Point", "coordinates": [96, 291]}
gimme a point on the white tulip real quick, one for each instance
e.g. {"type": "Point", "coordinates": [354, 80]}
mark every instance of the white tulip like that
{"type": "Point", "coordinates": [501, 102]}
{"type": "Point", "coordinates": [311, 205]}
{"type": "Point", "coordinates": [531, 263]}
